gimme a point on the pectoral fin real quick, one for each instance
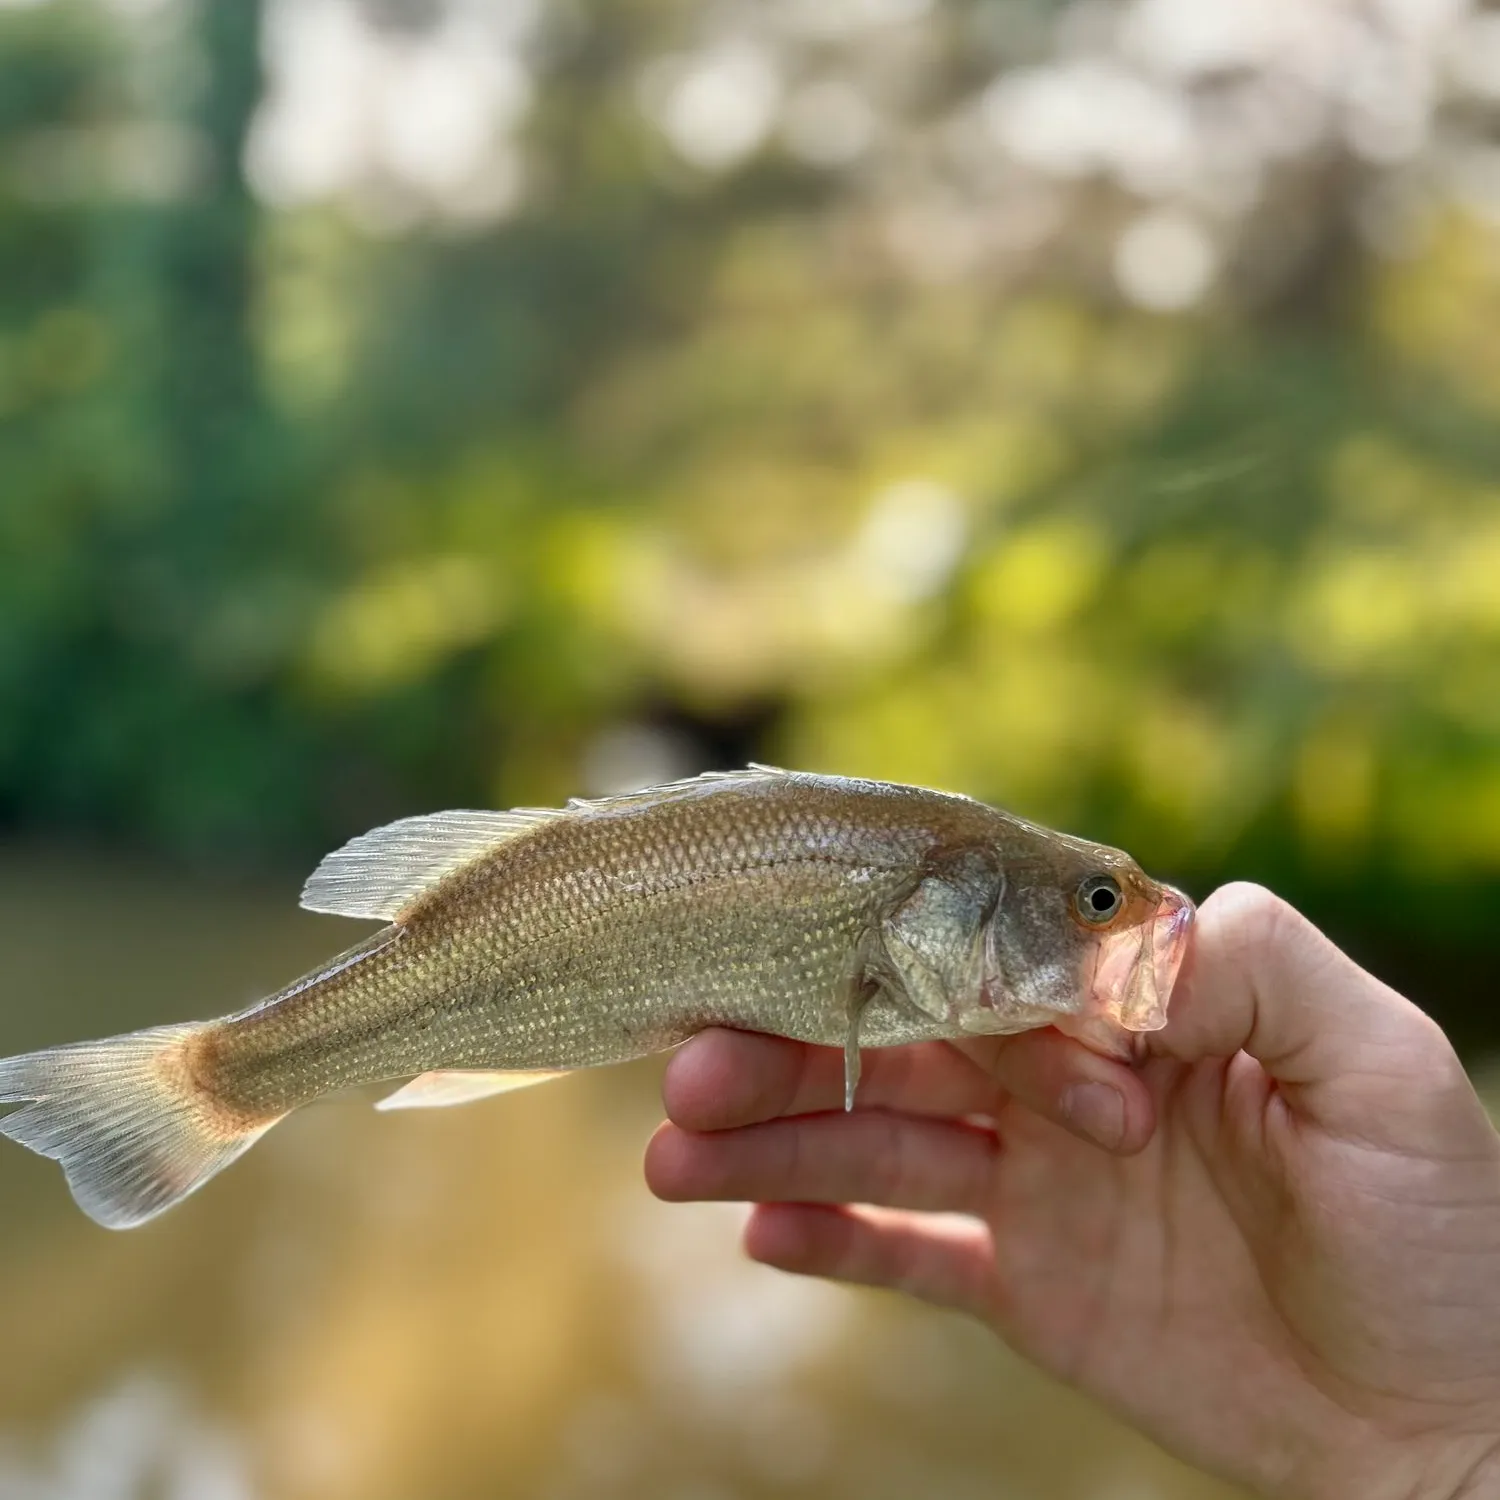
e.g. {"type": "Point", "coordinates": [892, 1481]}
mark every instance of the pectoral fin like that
{"type": "Point", "coordinates": [438, 1090]}
{"type": "Point", "coordinates": [860, 995]}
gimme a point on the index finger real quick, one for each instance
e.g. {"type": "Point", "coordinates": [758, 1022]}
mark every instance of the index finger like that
{"type": "Point", "coordinates": [720, 1080]}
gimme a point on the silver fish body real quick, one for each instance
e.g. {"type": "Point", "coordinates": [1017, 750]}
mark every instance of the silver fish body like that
{"type": "Point", "coordinates": [847, 913]}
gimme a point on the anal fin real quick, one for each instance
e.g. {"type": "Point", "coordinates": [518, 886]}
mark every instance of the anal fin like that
{"type": "Point", "coordinates": [440, 1089]}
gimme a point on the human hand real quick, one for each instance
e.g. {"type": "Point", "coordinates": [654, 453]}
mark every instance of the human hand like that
{"type": "Point", "coordinates": [1274, 1247]}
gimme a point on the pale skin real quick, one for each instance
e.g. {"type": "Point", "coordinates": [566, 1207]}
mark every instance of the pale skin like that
{"type": "Point", "coordinates": [1274, 1247]}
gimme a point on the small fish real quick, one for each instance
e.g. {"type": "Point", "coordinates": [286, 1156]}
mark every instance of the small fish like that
{"type": "Point", "coordinates": [522, 945]}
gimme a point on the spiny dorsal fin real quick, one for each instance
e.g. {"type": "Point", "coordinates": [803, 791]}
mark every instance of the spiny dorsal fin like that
{"type": "Point", "coordinates": [674, 789]}
{"type": "Point", "coordinates": [380, 873]}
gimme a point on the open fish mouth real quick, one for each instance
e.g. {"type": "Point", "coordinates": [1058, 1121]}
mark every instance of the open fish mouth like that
{"type": "Point", "coordinates": [1138, 966]}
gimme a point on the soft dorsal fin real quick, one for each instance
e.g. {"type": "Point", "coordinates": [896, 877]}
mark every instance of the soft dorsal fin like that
{"type": "Point", "coordinates": [380, 873]}
{"type": "Point", "coordinates": [441, 1090]}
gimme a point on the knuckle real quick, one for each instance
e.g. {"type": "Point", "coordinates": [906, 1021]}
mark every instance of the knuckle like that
{"type": "Point", "coordinates": [905, 1271]}
{"type": "Point", "coordinates": [892, 1161]}
{"type": "Point", "coordinates": [796, 1088]}
{"type": "Point", "coordinates": [1249, 916]}
{"type": "Point", "coordinates": [979, 1181]}
{"type": "Point", "coordinates": [1017, 1062]}
{"type": "Point", "coordinates": [1429, 1048]}
{"type": "Point", "coordinates": [677, 1171]}
{"type": "Point", "coordinates": [904, 1072]}
{"type": "Point", "coordinates": [789, 1173]}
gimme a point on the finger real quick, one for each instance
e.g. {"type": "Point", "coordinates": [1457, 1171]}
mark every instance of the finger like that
{"type": "Point", "coordinates": [870, 1156]}
{"type": "Point", "coordinates": [950, 1262]}
{"type": "Point", "coordinates": [723, 1079]}
{"type": "Point", "coordinates": [1094, 1097]}
{"type": "Point", "coordinates": [1260, 978]}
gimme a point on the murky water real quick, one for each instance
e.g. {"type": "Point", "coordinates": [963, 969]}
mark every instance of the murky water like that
{"type": "Point", "coordinates": [476, 1302]}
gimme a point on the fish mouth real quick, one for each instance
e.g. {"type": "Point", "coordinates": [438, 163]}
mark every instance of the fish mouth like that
{"type": "Point", "coordinates": [1138, 966]}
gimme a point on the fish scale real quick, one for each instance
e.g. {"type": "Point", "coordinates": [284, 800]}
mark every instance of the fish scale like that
{"type": "Point", "coordinates": [521, 944]}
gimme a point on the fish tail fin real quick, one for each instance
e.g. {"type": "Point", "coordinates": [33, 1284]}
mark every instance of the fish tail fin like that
{"type": "Point", "coordinates": [128, 1118]}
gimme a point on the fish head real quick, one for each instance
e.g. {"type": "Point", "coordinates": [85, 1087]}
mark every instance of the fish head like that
{"type": "Point", "coordinates": [1083, 939]}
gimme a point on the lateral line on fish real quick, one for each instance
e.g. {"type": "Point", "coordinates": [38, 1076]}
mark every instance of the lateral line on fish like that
{"type": "Point", "coordinates": [539, 935]}
{"type": "Point", "coordinates": [376, 943]}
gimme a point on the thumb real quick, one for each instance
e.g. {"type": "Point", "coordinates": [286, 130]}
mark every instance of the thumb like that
{"type": "Point", "coordinates": [1343, 1048]}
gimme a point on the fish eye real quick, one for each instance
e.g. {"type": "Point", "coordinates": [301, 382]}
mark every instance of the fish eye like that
{"type": "Point", "coordinates": [1098, 899]}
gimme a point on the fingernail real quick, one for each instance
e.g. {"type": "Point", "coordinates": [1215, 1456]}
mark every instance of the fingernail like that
{"type": "Point", "coordinates": [1098, 1111]}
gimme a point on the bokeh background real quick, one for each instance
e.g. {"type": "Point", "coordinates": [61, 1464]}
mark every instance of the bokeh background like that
{"type": "Point", "coordinates": [1091, 406]}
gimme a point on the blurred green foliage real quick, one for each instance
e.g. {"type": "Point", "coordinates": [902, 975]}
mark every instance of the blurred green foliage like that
{"type": "Point", "coordinates": [306, 522]}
